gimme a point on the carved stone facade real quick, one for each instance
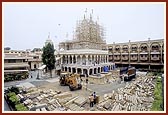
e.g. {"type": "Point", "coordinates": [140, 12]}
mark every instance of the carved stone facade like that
{"type": "Point", "coordinates": [86, 53]}
{"type": "Point", "coordinates": [88, 34]}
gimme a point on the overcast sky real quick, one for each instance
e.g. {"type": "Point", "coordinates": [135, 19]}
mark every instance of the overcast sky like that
{"type": "Point", "coordinates": [27, 26]}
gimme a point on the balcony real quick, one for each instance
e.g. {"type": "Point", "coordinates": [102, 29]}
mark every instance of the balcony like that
{"type": "Point", "coordinates": [117, 58]}
{"type": "Point", "coordinates": [155, 58]}
{"type": "Point", "coordinates": [110, 53]}
{"type": "Point", "coordinates": [155, 52]}
{"type": "Point", "coordinates": [117, 53]}
{"type": "Point", "coordinates": [143, 57]}
{"type": "Point", "coordinates": [124, 58]}
{"type": "Point", "coordinates": [143, 52]}
{"type": "Point", "coordinates": [110, 58]}
{"type": "Point", "coordinates": [134, 58]}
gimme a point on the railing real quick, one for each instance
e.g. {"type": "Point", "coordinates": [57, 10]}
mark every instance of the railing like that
{"type": "Point", "coordinates": [155, 58]}
{"type": "Point", "coordinates": [117, 58]}
{"type": "Point", "coordinates": [134, 58]}
{"type": "Point", "coordinates": [124, 58]}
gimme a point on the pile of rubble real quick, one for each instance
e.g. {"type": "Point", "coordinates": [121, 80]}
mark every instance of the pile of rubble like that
{"type": "Point", "coordinates": [49, 100]}
{"type": "Point", "coordinates": [136, 96]}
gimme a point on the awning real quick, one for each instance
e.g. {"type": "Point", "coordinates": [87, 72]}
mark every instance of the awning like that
{"type": "Point", "coordinates": [42, 67]}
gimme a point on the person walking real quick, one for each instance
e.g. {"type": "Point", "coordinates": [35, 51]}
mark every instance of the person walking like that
{"type": "Point", "coordinates": [31, 75]}
{"type": "Point", "coordinates": [91, 98]}
{"type": "Point", "coordinates": [94, 96]}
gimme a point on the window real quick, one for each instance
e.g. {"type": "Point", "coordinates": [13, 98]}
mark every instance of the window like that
{"type": "Point", "coordinates": [125, 48]}
{"type": "Point", "coordinates": [134, 48]}
{"type": "Point", "coordinates": [11, 61]}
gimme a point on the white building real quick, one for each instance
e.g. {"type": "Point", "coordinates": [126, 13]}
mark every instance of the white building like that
{"type": "Point", "coordinates": [87, 52]}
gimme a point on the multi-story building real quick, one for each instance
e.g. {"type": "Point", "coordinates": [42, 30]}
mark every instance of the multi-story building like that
{"type": "Point", "coordinates": [34, 58]}
{"type": "Point", "coordinates": [15, 64]}
{"type": "Point", "coordinates": [141, 54]}
{"type": "Point", "coordinates": [86, 53]}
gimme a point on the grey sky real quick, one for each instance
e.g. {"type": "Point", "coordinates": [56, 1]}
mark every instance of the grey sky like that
{"type": "Point", "coordinates": [27, 26]}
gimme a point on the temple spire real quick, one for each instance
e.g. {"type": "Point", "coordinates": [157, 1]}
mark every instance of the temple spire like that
{"type": "Point", "coordinates": [86, 11]}
{"type": "Point", "coordinates": [90, 16]}
{"type": "Point", "coordinates": [84, 16]}
{"type": "Point", "coordinates": [49, 35]}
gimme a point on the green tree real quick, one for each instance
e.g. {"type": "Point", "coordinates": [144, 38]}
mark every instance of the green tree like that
{"type": "Point", "coordinates": [20, 107]}
{"type": "Point", "coordinates": [48, 57]}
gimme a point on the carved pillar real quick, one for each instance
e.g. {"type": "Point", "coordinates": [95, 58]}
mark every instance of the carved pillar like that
{"type": "Point", "coordinates": [72, 59]}
{"type": "Point", "coordinates": [107, 58]}
{"type": "Point", "coordinates": [97, 59]}
{"type": "Point", "coordinates": [90, 60]}
{"type": "Point", "coordinates": [103, 59]}
{"type": "Point", "coordinates": [76, 70]}
{"type": "Point", "coordinates": [94, 59]}
{"type": "Point", "coordinates": [86, 59]}
{"type": "Point", "coordinates": [82, 71]}
{"type": "Point", "coordinates": [68, 59]}
{"type": "Point", "coordinates": [81, 60]}
{"type": "Point", "coordinates": [76, 59]}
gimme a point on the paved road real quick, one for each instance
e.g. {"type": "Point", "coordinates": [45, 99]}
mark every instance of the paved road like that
{"type": "Point", "coordinates": [34, 80]}
{"type": "Point", "coordinates": [105, 88]}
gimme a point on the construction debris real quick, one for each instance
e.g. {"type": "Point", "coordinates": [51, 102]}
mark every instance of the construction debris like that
{"type": "Point", "coordinates": [136, 96]}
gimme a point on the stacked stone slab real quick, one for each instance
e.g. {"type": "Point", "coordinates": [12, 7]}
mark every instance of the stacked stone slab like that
{"type": "Point", "coordinates": [136, 96]}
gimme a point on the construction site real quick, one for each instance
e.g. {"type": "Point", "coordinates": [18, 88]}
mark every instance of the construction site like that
{"type": "Point", "coordinates": [113, 93]}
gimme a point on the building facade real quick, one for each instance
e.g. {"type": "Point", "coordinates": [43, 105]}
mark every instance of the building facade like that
{"type": "Point", "coordinates": [34, 58]}
{"type": "Point", "coordinates": [15, 65]}
{"type": "Point", "coordinates": [86, 53]}
{"type": "Point", "coordinates": [142, 54]}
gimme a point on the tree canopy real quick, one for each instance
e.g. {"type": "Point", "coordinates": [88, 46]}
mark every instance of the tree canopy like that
{"type": "Point", "coordinates": [48, 57]}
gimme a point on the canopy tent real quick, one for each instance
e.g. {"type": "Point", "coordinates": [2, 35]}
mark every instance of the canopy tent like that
{"type": "Point", "coordinates": [106, 69]}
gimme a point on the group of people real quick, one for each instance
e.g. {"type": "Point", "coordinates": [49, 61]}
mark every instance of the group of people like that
{"type": "Point", "coordinates": [92, 99]}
